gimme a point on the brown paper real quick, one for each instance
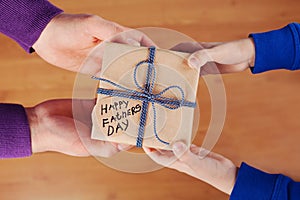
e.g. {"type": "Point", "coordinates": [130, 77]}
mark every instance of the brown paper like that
{"type": "Point", "coordinates": [117, 119]}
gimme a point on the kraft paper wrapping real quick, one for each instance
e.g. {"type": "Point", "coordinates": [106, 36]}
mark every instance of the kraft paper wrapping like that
{"type": "Point", "coordinates": [116, 119]}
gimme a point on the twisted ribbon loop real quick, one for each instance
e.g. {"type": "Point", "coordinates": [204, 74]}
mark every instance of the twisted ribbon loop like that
{"type": "Point", "coordinates": [147, 96]}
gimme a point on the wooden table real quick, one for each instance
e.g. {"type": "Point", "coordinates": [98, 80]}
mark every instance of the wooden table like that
{"type": "Point", "coordinates": [262, 124]}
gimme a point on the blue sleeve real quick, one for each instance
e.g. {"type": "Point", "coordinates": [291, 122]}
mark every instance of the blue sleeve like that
{"type": "Point", "coordinates": [255, 184]}
{"type": "Point", "coordinates": [278, 49]}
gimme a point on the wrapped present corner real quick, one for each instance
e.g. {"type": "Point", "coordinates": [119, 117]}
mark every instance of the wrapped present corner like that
{"type": "Point", "coordinates": [146, 97]}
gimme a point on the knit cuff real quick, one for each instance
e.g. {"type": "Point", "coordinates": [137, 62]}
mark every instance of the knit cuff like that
{"type": "Point", "coordinates": [24, 20]}
{"type": "Point", "coordinates": [15, 139]}
{"type": "Point", "coordinates": [252, 184]}
{"type": "Point", "coordinates": [278, 49]}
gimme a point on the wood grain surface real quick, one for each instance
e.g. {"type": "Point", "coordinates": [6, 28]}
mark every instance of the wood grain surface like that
{"type": "Point", "coordinates": [262, 124]}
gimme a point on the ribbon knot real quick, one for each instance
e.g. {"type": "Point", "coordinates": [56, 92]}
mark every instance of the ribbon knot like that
{"type": "Point", "coordinates": [150, 97]}
{"type": "Point", "coordinates": [147, 96]}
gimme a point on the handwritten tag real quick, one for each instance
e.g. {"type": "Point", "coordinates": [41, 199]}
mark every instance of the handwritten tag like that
{"type": "Point", "coordinates": [115, 115]}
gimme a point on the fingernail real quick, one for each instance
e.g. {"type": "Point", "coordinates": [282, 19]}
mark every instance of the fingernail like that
{"type": "Point", "coordinates": [202, 153]}
{"type": "Point", "coordinates": [179, 147]}
{"type": "Point", "coordinates": [133, 42]}
{"type": "Point", "coordinates": [193, 62]}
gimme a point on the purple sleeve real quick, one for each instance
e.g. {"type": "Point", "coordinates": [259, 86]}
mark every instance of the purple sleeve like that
{"type": "Point", "coordinates": [15, 140]}
{"type": "Point", "coordinates": [278, 49]}
{"type": "Point", "coordinates": [252, 184]}
{"type": "Point", "coordinates": [24, 20]}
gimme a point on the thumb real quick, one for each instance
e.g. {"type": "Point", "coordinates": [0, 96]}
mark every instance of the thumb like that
{"type": "Point", "coordinates": [184, 154]}
{"type": "Point", "coordinates": [179, 149]}
{"type": "Point", "coordinates": [200, 58]}
{"type": "Point", "coordinates": [230, 53]}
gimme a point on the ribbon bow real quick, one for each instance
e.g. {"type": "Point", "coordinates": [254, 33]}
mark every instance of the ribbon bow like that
{"type": "Point", "coordinates": [147, 96]}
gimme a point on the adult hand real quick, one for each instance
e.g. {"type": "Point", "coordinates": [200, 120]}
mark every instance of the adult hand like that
{"type": "Point", "coordinates": [214, 169]}
{"type": "Point", "coordinates": [228, 57]}
{"type": "Point", "coordinates": [53, 128]}
{"type": "Point", "coordinates": [68, 38]}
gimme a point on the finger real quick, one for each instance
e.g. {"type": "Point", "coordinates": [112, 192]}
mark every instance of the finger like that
{"type": "Point", "coordinates": [229, 53]}
{"type": "Point", "coordinates": [191, 47]}
{"type": "Point", "coordinates": [133, 42]}
{"type": "Point", "coordinates": [198, 166]}
{"type": "Point", "coordinates": [184, 154]}
{"type": "Point", "coordinates": [201, 151]}
{"type": "Point", "coordinates": [147, 42]}
{"type": "Point", "coordinates": [133, 37]}
{"type": "Point", "coordinates": [165, 159]}
{"type": "Point", "coordinates": [194, 149]}
{"type": "Point", "coordinates": [169, 160]}
{"type": "Point", "coordinates": [200, 58]}
{"type": "Point", "coordinates": [140, 37]}
{"type": "Point", "coordinates": [208, 45]}
{"type": "Point", "coordinates": [188, 47]}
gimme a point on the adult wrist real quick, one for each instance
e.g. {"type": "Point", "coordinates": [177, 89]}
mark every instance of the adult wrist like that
{"type": "Point", "coordinates": [33, 125]}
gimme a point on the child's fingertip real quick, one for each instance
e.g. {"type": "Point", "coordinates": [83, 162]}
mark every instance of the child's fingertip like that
{"type": "Point", "coordinates": [193, 62]}
{"type": "Point", "coordinates": [179, 147]}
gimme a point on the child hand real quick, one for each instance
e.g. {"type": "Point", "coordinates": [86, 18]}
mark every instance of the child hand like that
{"type": "Point", "coordinates": [214, 169]}
{"type": "Point", "coordinates": [228, 57]}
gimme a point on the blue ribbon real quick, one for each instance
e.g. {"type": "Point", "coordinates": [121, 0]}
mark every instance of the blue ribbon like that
{"type": "Point", "coordinates": [146, 95]}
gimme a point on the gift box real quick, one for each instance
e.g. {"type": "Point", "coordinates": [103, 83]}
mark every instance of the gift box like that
{"type": "Point", "coordinates": [146, 97]}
